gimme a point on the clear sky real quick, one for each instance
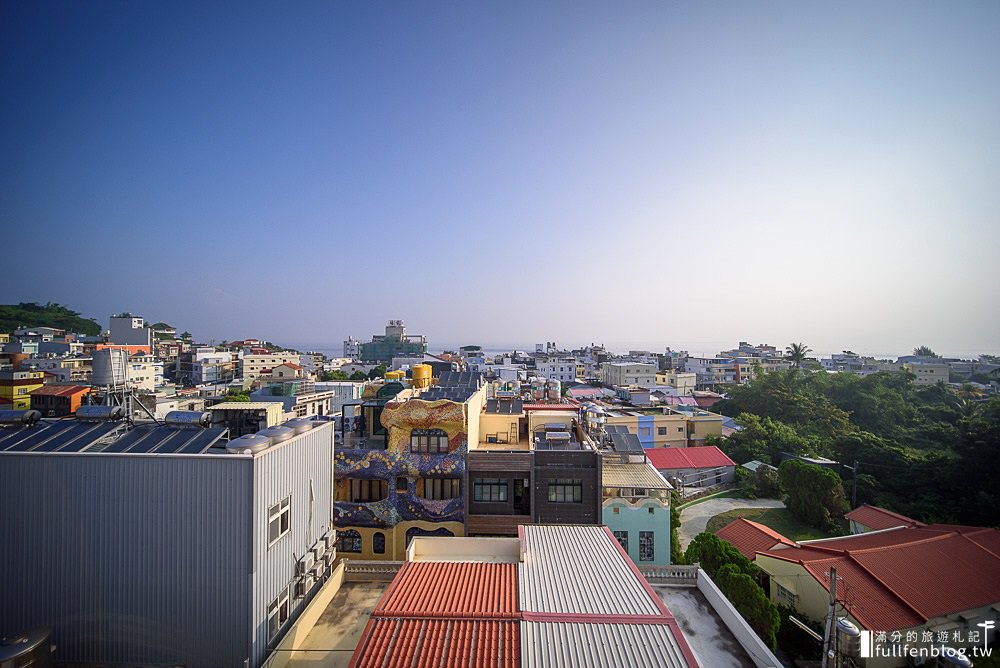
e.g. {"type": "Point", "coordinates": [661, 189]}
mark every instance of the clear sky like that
{"type": "Point", "coordinates": [686, 174]}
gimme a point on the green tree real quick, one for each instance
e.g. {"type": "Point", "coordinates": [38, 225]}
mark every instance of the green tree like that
{"type": "Point", "coordinates": [750, 601]}
{"type": "Point", "coordinates": [377, 372]}
{"type": "Point", "coordinates": [924, 351]}
{"type": "Point", "coordinates": [359, 375]}
{"type": "Point", "coordinates": [239, 396]}
{"type": "Point", "coordinates": [676, 553]}
{"type": "Point", "coordinates": [336, 374]}
{"type": "Point", "coordinates": [763, 439]}
{"type": "Point", "coordinates": [797, 352]}
{"type": "Point", "coordinates": [712, 553]}
{"type": "Point", "coordinates": [814, 494]}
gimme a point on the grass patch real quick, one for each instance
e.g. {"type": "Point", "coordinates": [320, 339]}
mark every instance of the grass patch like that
{"type": "Point", "coordinates": [729, 494]}
{"type": "Point", "coordinates": [779, 519]}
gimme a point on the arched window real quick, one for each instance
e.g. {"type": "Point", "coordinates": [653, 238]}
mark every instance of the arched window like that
{"type": "Point", "coordinates": [417, 531]}
{"type": "Point", "coordinates": [378, 543]}
{"type": "Point", "coordinates": [348, 541]}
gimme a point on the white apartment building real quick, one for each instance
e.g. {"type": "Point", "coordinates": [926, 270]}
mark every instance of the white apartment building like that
{"type": "Point", "coordinates": [928, 374]}
{"type": "Point", "coordinates": [628, 373]}
{"type": "Point", "coordinates": [565, 370]}
{"type": "Point", "coordinates": [253, 364]}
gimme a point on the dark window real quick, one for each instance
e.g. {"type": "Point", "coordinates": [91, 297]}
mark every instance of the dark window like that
{"type": "Point", "coordinates": [401, 484]}
{"type": "Point", "coordinates": [489, 489]}
{"type": "Point", "coordinates": [378, 543]}
{"type": "Point", "coordinates": [439, 488]}
{"type": "Point", "coordinates": [279, 520]}
{"type": "Point", "coordinates": [348, 541]}
{"type": "Point", "coordinates": [645, 546]}
{"type": "Point", "coordinates": [416, 531]}
{"type": "Point", "coordinates": [365, 491]}
{"type": "Point", "coordinates": [661, 431]}
{"type": "Point", "coordinates": [622, 537]}
{"type": "Point", "coordinates": [566, 490]}
{"type": "Point", "coordinates": [428, 440]}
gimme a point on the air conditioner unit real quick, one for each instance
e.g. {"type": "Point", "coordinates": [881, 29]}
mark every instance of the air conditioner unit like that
{"type": "Point", "coordinates": [303, 585]}
{"type": "Point", "coordinates": [305, 563]}
{"type": "Point", "coordinates": [318, 550]}
{"type": "Point", "coordinates": [329, 539]}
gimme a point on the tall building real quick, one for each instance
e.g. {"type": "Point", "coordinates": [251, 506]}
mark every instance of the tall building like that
{"type": "Point", "coordinates": [394, 343]}
{"type": "Point", "coordinates": [130, 330]}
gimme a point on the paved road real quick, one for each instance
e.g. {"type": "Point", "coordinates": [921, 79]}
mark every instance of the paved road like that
{"type": "Point", "coordinates": [695, 518]}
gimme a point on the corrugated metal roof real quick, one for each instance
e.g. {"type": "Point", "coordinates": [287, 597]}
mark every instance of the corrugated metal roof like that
{"type": "Point", "coordinates": [245, 405]}
{"type": "Point", "coordinates": [441, 643]}
{"type": "Point", "coordinates": [877, 518]}
{"type": "Point", "coordinates": [448, 589]}
{"type": "Point", "coordinates": [632, 475]}
{"type": "Point", "coordinates": [706, 456]}
{"type": "Point", "coordinates": [750, 537]}
{"type": "Point", "coordinates": [552, 645]}
{"type": "Point", "coordinates": [602, 583]}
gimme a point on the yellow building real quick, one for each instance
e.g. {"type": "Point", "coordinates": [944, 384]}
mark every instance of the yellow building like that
{"type": "Point", "coordinates": [684, 382]}
{"type": "Point", "coordinates": [16, 387]}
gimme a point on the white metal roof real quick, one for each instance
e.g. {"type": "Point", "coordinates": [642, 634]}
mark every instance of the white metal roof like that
{"type": "Point", "coordinates": [579, 570]}
{"type": "Point", "coordinates": [558, 645]}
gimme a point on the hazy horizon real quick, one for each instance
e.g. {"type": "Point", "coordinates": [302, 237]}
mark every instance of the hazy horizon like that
{"type": "Point", "coordinates": [656, 172]}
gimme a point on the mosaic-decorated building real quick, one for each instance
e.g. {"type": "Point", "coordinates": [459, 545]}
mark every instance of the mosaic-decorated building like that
{"type": "Point", "coordinates": [400, 471]}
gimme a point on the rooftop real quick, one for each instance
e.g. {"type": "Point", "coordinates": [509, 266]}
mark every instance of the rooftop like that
{"type": "Point", "coordinates": [642, 476]}
{"type": "Point", "coordinates": [876, 518]}
{"type": "Point", "coordinates": [707, 456]}
{"type": "Point", "coordinates": [750, 537]}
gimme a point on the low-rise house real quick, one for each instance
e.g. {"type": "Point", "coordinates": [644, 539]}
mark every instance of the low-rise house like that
{"type": "Point", "coordinates": [867, 518]}
{"type": "Point", "coordinates": [58, 400]}
{"type": "Point", "coordinates": [695, 467]}
{"type": "Point", "coordinates": [750, 537]}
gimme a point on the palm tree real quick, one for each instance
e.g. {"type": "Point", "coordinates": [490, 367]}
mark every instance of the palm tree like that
{"type": "Point", "coordinates": [796, 353]}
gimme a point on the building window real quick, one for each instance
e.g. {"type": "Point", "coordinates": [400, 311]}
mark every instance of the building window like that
{"type": "Point", "coordinates": [622, 538]}
{"type": "Point", "coordinates": [785, 597]}
{"type": "Point", "coordinates": [348, 541]}
{"type": "Point", "coordinates": [277, 614]}
{"type": "Point", "coordinates": [439, 488]}
{"type": "Point", "coordinates": [661, 431]}
{"type": "Point", "coordinates": [366, 491]}
{"type": "Point", "coordinates": [489, 489]}
{"type": "Point", "coordinates": [566, 490]}
{"type": "Point", "coordinates": [428, 440]}
{"type": "Point", "coordinates": [378, 543]}
{"type": "Point", "coordinates": [401, 484]}
{"type": "Point", "coordinates": [680, 428]}
{"type": "Point", "coordinates": [279, 520]}
{"type": "Point", "coordinates": [645, 546]}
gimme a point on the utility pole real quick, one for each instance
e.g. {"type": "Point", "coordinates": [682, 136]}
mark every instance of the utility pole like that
{"type": "Point", "coordinates": [828, 636]}
{"type": "Point", "coordinates": [854, 486]}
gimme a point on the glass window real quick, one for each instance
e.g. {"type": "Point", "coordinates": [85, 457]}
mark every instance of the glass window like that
{"type": "Point", "coordinates": [661, 431]}
{"type": "Point", "coordinates": [401, 484]}
{"type": "Point", "coordinates": [279, 520]}
{"type": "Point", "coordinates": [378, 543]}
{"type": "Point", "coordinates": [489, 489]}
{"type": "Point", "coordinates": [277, 614]}
{"type": "Point", "coordinates": [566, 490]}
{"type": "Point", "coordinates": [349, 541]}
{"type": "Point", "coordinates": [646, 546]}
{"type": "Point", "coordinates": [428, 440]}
{"type": "Point", "coordinates": [622, 537]}
{"type": "Point", "coordinates": [366, 491]}
{"type": "Point", "coordinates": [439, 488]}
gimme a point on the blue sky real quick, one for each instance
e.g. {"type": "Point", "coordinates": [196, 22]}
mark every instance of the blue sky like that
{"type": "Point", "coordinates": [685, 174]}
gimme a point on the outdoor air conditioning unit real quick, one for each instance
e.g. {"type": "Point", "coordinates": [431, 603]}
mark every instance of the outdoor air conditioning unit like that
{"type": "Point", "coordinates": [329, 539]}
{"type": "Point", "coordinates": [305, 563]}
{"type": "Point", "coordinates": [318, 570]}
{"type": "Point", "coordinates": [318, 550]}
{"type": "Point", "coordinates": [303, 585]}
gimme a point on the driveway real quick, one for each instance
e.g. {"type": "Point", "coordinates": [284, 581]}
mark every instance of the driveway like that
{"type": "Point", "coordinates": [695, 518]}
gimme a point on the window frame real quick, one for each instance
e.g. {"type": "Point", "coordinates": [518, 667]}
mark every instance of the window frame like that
{"type": "Point", "coordinates": [280, 610]}
{"type": "Point", "coordinates": [441, 489]}
{"type": "Point", "coordinates": [497, 488]}
{"type": "Point", "coordinates": [281, 515]}
{"type": "Point", "coordinates": [561, 488]}
{"type": "Point", "coordinates": [649, 536]}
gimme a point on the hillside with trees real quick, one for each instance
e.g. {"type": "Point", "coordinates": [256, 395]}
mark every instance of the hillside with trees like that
{"type": "Point", "coordinates": [924, 451]}
{"type": "Point", "coordinates": [14, 316]}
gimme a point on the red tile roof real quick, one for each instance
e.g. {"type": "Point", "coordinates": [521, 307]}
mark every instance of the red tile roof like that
{"type": "Point", "coordinates": [901, 578]}
{"type": "Point", "coordinates": [750, 537]}
{"type": "Point", "coordinates": [876, 518]}
{"type": "Point", "coordinates": [291, 365]}
{"type": "Point", "coordinates": [706, 456]}
{"type": "Point", "coordinates": [445, 614]}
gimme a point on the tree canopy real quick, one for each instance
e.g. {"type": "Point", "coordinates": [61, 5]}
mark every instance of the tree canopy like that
{"type": "Point", "coordinates": [924, 351]}
{"type": "Point", "coordinates": [31, 314]}
{"type": "Point", "coordinates": [797, 352]}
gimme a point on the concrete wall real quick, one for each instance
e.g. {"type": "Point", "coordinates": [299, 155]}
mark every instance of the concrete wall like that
{"type": "Point", "coordinates": [646, 515]}
{"type": "Point", "coordinates": [760, 654]}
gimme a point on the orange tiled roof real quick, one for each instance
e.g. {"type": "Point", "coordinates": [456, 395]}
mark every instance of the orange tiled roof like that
{"type": "Point", "coordinates": [445, 589]}
{"type": "Point", "coordinates": [59, 390]}
{"type": "Point", "coordinates": [750, 537]}
{"type": "Point", "coordinates": [876, 518]}
{"type": "Point", "coordinates": [901, 578]}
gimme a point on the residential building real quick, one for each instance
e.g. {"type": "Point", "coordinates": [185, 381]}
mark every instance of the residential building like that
{"type": "Point", "coordinates": [298, 396]}
{"type": "Point", "coordinates": [67, 369]}
{"type": "Point", "coordinates": [394, 343]}
{"type": "Point", "coordinates": [205, 365]}
{"type": "Point", "coordinates": [699, 466]}
{"type": "Point", "coordinates": [341, 392]}
{"type": "Point", "coordinates": [711, 372]}
{"type": "Point", "coordinates": [58, 400]}
{"type": "Point", "coordinates": [683, 382]}
{"type": "Point", "coordinates": [352, 348]}
{"type": "Point", "coordinates": [656, 428]}
{"type": "Point", "coordinates": [16, 388]}
{"type": "Point", "coordinates": [400, 472]}
{"type": "Point", "coordinates": [532, 463]}
{"type": "Point", "coordinates": [628, 373]}
{"type": "Point", "coordinates": [636, 506]}
{"type": "Point", "coordinates": [565, 369]}
{"type": "Point", "coordinates": [867, 518]}
{"type": "Point", "coordinates": [701, 424]}
{"type": "Point", "coordinates": [927, 373]}
{"type": "Point", "coordinates": [257, 364]}
{"type": "Point", "coordinates": [312, 363]}
{"type": "Point", "coordinates": [286, 371]}
{"type": "Point", "coordinates": [112, 366]}
{"type": "Point", "coordinates": [921, 579]}
{"type": "Point", "coordinates": [749, 537]}
{"type": "Point", "coordinates": [130, 330]}
{"type": "Point", "coordinates": [197, 553]}
{"type": "Point", "coordinates": [39, 334]}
